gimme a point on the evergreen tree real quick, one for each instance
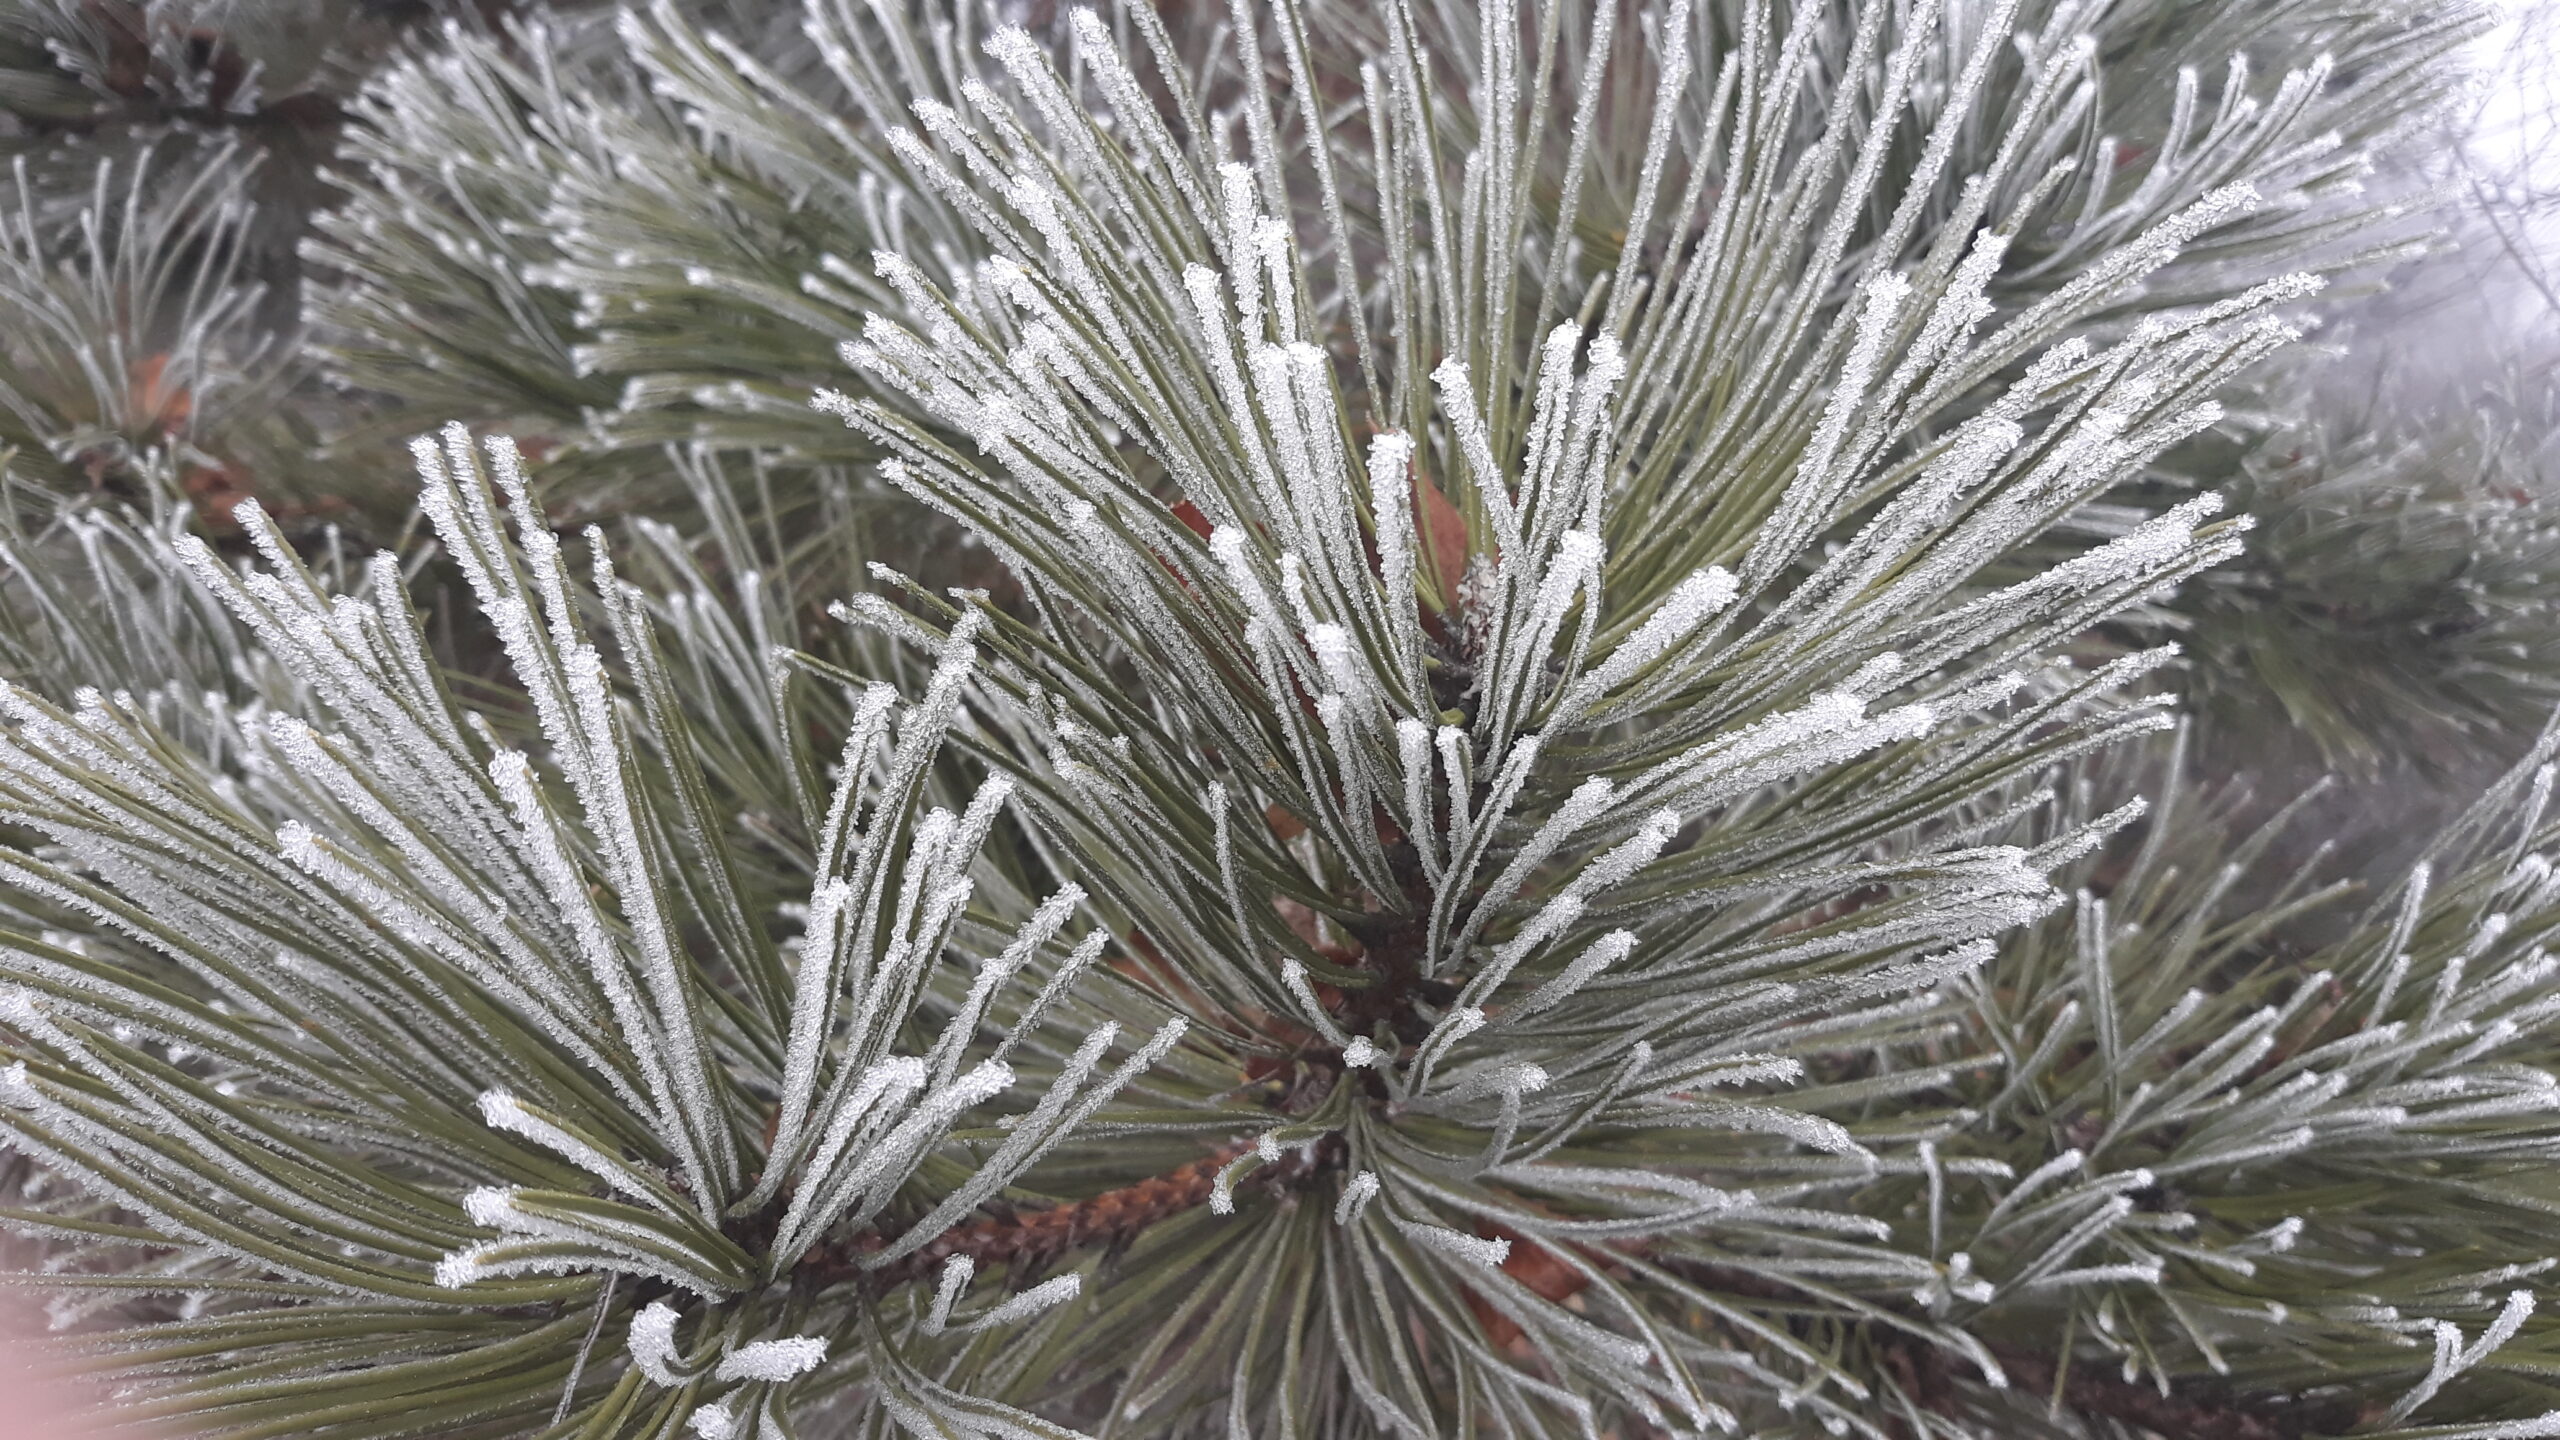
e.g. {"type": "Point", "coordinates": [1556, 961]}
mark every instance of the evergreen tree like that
{"type": "Point", "coordinates": [1452, 722]}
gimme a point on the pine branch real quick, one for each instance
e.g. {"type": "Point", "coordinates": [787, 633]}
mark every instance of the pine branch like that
{"type": "Point", "coordinates": [1030, 1240]}
{"type": "Point", "coordinates": [1647, 747]}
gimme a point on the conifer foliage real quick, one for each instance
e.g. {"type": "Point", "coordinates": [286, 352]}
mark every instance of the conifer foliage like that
{"type": "Point", "coordinates": [1509, 830]}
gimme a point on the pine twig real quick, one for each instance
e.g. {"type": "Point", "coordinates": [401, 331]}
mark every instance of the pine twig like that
{"type": "Point", "coordinates": [1032, 1238]}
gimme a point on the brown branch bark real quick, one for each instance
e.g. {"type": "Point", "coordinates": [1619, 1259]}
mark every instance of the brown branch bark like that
{"type": "Point", "coordinates": [1030, 1239]}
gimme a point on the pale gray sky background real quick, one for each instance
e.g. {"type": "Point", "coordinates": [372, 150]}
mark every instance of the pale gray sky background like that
{"type": "Point", "coordinates": [2479, 325]}
{"type": "Point", "coordinates": [2513, 148]}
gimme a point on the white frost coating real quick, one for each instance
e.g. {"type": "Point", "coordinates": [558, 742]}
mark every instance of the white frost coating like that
{"type": "Point", "coordinates": [1455, 754]}
{"type": "Point", "coordinates": [1339, 659]}
{"type": "Point", "coordinates": [1470, 1248]}
{"type": "Point", "coordinates": [653, 1343]}
{"type": "Point", "coordinates": [773, 1361]}
{"type": "Point", "coordinates": [540, 843]}
{"type": "Point", "coordinates": [1627, 857]}
{"type": "Point", "coordinates": [712, 1421]}
{"type": "Point", "coordinates": [2452, 1358]}
{"type": "Point", "coordinates": [1066, 1105]}
{"type": "Point", "coordinates": [1963, 1283]}
{"type": "Point", "coordinates": [812, 988]}
{"type": "Point", "coordinates": [1357, 1192]}
{"type": "Point", "coordinates": [1227, 547]}
{"type": "Point", "coordinates": [503, 1111]}
{"type": "Point", "coordinates": [460, 1267]}
{"type": "Point", "coordinates": [1222, 1190]}
{"type": "Point", "coordinates": [295, 842]}
{"type": "Point", "coordinates": [1413, 753]}
{"type": "Point", "coordinates": [1458, 406]}
{"type": "Point", "coordinates": [956, 1274]}
{"type": "Point", "coordinates": [1811, 1131]}
{"type": "Point", "coordinates": [888, 1082]}
{"type": "Point", "coordinates": [1602, 953]}
{"type": "Point", "coordinates": [1575, 565]}
{"type": "Point", "coordinates": [1800, 509]}
{"type": "Point", "coordinates": [896, 1152]}
{"type": "Point", "coordinates": [2141, 1272]}
{"type": "Point", "coordinates": [882, 1087]}
{"type": "Point", "coordinates": [1360, 1054]}
{"type": "Point", "coordinates": [1031, 1302]}
{"type": "Point", "coordinates": [1552, 919]}
{"type": "Point", "coordinates": [492, 1206]}
{"type": "Point", "coordinates": [1520, 1077]}
{"type": "Point", "coordinates": [1293, 588]}
{"type": "Point", "coordinates": [1390, 486]}
{"type": "Point", "coordinates": [1587, 803]}
{"type": "Point", "coordinates": [1351, 761]}
{"type": "Point", "coordinates": [1293, 974]}
{"type": "Point", "coordinates": [1874, 676]}
{"type": "Point", "coordinates": [1690, 604]}
{"type": "Point", "coordinates": [1455, 1026]}
{"type": "Point", "coordinates": [1061, 979]}
{"type": "Point", "coordinates": [2149, 546]}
